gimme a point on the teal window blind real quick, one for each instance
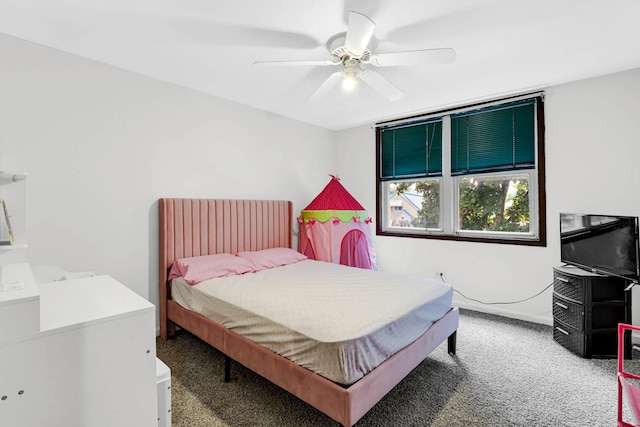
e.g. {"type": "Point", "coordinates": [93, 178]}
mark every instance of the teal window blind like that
{"type": "Point", "coordinates": [498, 138]}
{"type": "Point", "coordinates": [411, 151]}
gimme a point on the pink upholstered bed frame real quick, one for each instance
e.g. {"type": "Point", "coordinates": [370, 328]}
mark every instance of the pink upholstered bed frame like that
{"type": "Point", "coordinates": [193, 227]}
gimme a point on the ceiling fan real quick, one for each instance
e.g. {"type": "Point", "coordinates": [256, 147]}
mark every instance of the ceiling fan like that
{"type": "Point", "coordinates": [355, 47]}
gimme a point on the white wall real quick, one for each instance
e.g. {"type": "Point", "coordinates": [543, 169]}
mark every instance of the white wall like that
{"type": "Point", "coordinates": [592, 156]}
{"type": "Point", "coordinates": [101, 145]}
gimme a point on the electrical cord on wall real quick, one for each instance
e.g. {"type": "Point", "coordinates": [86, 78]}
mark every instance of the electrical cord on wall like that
{"type": "Point", "coordinates": [497, 302]}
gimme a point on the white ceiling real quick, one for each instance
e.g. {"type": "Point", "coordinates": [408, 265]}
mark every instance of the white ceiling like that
{"type": "Point", "coordinates": [503, 47]}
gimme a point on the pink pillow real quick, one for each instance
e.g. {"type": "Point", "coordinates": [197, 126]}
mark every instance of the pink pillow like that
{"type": "Point", "coordinates": [274, 257]}
{"type": "Point", "coordinates": [197, 269]}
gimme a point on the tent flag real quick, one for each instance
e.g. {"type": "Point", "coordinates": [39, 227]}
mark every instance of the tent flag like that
{"type": "Point", "coordinates": [334, 227]}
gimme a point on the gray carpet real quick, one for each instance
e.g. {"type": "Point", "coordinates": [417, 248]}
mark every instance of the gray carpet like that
{"type": "Point", "coordinates": [506, 373]}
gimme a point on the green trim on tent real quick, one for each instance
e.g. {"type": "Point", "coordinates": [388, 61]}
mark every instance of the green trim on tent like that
{"type": "Point", "coordinates": [328, 215]}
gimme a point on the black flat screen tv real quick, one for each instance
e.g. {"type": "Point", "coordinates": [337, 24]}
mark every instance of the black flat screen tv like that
{"type": "Point", "coordinates": [602, 244]}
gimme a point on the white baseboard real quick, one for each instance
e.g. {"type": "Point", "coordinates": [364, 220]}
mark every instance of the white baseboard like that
{"type": "Point", "coordinates": [500, 311]}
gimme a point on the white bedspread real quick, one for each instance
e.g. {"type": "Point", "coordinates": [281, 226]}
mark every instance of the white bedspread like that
{"type": "Point", "coordinates": [340, 322]}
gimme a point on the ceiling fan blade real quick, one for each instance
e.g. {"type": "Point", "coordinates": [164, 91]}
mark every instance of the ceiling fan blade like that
{"type": "Point", "coordinates": [414, 57]}
{"type": "Point", "coordinates": [320, 62]}
{"type": "Point", "coordinates": [381, 85]}
{"type": "Point", "coordinates": [326, 86]}
{"type": "Point", "coordinates": [359, 32]}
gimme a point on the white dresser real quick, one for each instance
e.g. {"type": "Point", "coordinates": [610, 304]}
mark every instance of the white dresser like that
{"type": "Point", "coordinates": [91, 364]}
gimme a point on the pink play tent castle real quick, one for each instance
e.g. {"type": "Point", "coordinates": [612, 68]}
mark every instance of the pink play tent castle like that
{"type": "Point", "coordinates": [336, 228]}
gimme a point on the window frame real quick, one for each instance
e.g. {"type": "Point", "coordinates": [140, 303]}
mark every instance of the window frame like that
{"type": "Point", "coordinates": [449, 184]}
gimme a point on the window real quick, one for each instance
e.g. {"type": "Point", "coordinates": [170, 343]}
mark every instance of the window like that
{"type": "Point", "coordinates": [476, 173]}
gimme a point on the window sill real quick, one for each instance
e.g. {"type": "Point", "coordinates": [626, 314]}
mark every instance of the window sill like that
{"type": "Point", "coordinates": [541, 241]}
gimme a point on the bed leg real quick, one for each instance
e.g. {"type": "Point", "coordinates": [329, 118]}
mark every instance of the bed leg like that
{"type": "Point", "coordinates": [451, 343]}
{"type": "Point", "coordinates": [227, 369]}
{"type": "Point", "coordinates": [171, 328]}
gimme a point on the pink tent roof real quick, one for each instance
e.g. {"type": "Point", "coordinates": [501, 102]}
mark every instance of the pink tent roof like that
{"type": "Point", "coordinates": [334, 197]}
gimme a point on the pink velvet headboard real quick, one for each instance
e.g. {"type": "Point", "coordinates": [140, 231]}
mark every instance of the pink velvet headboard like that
{"type": "Point", "coordinates": [193, 227]}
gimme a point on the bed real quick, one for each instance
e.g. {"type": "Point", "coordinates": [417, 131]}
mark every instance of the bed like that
{"type": "Point", "coordinates": [196, 227]}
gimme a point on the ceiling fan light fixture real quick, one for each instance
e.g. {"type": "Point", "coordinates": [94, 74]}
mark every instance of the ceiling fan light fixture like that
{"type": "Point", "coordinates": [350, 73]}
{"type": "Point", "coordinates": [349, 83]}
{"type": "Point", "coordinates": [350, 68]}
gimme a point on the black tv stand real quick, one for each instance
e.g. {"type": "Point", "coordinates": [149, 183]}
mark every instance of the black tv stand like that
{"type": "Point", "coordinates": [587, 308]}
